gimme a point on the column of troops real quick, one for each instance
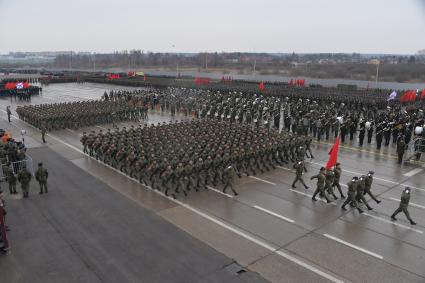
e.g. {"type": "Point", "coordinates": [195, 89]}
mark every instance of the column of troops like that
{"type": "Point", "coordinates": [181, 156]}
{"type": "Point", "coordinates": [79, 114]}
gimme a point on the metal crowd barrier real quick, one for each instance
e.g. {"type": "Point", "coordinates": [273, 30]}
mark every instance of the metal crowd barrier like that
{"type": "Point", "coordinates": [17, 167]}
{"type": "Point", "coordinates": [415, 149]}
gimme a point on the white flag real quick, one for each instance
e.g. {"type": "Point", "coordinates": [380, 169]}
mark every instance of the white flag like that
{"type": "Point", "coordinates": [392, 95]}
{"type": "Point", "coordinates": [19, 85]}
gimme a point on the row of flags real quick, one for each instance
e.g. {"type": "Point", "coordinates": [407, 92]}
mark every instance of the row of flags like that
{"type": "Point", "coordinates": [113, 76]}
{"type": "Point", "coordinates": [408, 96]}
{"type": "Point", "coordinates": [202, 81]}
{"type": "Point", "coordinates": [300, 82]}
{"type": "Point", "coordinates": [225, 79]}
{"type": "Point", "coordinates": [16, 85]}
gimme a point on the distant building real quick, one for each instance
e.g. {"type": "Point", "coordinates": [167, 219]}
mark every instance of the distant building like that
{"type": "Point", "coordinates": [421, 52]}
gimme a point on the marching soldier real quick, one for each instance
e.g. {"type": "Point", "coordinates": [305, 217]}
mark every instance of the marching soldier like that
{"type": "Point", "coordinates": [368, 186]}
{"type": "Point", "coordinates": [229, 175]}
{"type": "Point", "coordinates": [330, 179]}
{"type": "Point", "coordinates": [404, 204]}
{"type": "Point", "coordinates": [361, 191]}
{"type": "Point", "coordinates": [351, 195]}
{"type": "Point", "coordinates": [299, 171]}
{"type": "Point", "coordinates": [320, 188]}
{"type": "Point", "coordinates": [337, 174]}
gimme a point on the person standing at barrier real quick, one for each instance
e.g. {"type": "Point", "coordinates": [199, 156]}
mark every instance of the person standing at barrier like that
{"type": "Point", "coordinates": [41, 176]}
{"type": "Point", "coordinates": [11, 179]}
{"type": "Point", "coordinates": [3, 228]}
{"type": "Point", "coordinates": [24, 177]}
{"type": "Point", "coordinates": [404, 204]}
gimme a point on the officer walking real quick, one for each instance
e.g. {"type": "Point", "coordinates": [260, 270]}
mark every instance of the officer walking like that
{"type": "Point", "coordinates": [9, 113]}
{"type": "Point", "coordinates": [228, 176]}
{"type": "Point", "coordinates": [41, 176]}
{"type": "Point", "coordinates": [401, 147]}
{"type": "Point", "coordinates": [43, 134]}
{"type": "Point", "coordinates": [404, 204]}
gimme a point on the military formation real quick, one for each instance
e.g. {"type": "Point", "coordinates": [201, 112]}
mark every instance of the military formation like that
{"type": "Point", "coordinates": [181, 156]}
{"type": "Point", "coordinates": [358, 119]}
{"type": "Point", "coordinates": [74, 115]}
{"type": "Point", "coordinates": [236, 132]}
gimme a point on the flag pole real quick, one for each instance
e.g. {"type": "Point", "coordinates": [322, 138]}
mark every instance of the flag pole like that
{"type": "Point", "coordinates": [377, 74]}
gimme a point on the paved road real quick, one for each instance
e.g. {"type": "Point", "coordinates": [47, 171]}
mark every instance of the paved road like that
{"type": "Point", "coordinates": [277, 231]}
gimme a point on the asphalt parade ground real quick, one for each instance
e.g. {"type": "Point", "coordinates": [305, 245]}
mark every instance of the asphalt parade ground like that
{"type": "Point", "coordinates": [98, 225]}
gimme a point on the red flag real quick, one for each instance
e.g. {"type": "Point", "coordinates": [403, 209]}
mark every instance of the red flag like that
{"type": "Point", "coordinates": [423, 94]}
{"type": "Point", "coordinates": [408, 96]}
{"type": "Point", "coordinates": [333, 154]}
{"type": "Point", "coordinates": [261, 86]}
{"type": "Point", "coordinates": [144, 77]}
{"type": "Point", "coordinates": [26, 85]}
{"type": "Point", "coordinates": [10, 85]}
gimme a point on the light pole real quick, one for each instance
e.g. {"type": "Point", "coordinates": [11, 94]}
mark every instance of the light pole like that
{"type": "Point", "coordinates": [177, 56]}
{"type": "Point", "coordinates": [94, 62]}
{"type": "Point", "coordinates": [377, 74]}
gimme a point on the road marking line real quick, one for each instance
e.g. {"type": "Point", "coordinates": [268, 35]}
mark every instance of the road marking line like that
{"type": "Point", "coordinates": [309, 267]}
{"type": "Point", "coordinates": [287, 169]}
{"type": "Point", "coordinates": [410, 203]}
{"type": "Point", "coordinates": [72, 131]}
{"type": "Point", "coordinates": [392, 222]}
{"type": "Point", "coordinates": [262, 180]}
{"type": "Point", "coordinates": [274, 214]}
{"type": "Point", "coordinates": [216, 221]}
{"type": "Point", "coordinates": [413, 172]}
{"type": "Point", "coordinates": [353, 246]}
{"type": "Point", "coordinates": [220, 192]}
{"type": "Point", "coordinates": [310, 196]}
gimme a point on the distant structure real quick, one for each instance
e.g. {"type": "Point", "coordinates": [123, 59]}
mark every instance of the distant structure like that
{"type": "Point", "coordinates": [421, 52]}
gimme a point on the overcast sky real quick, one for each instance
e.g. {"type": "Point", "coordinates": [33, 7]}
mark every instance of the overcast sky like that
{"type": "Point", "coordinates": [304, 26]}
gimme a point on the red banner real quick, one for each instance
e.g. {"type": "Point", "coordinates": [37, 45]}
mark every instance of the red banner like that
{"type": "Point", "coordinates": [202, 81]}
{"type": "Point", "coordinates": [333, 154]}
{"type": "Point", "coordinates": [113, 76]}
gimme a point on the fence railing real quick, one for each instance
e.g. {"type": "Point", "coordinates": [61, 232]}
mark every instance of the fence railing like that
{"type": "Point", "coordinates": [415, 149]}
{"type": "Point", "coordinates": [17, 167]}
